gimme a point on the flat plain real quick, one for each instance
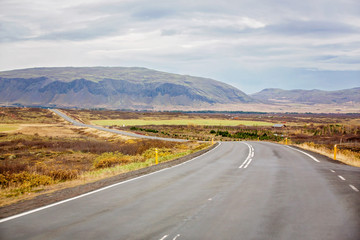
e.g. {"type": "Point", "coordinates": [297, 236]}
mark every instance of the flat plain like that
{"type": "Point", "coordinates": [180, 121]}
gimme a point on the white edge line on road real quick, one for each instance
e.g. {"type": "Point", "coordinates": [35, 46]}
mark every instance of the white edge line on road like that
{"type": "Point", "coordinates": [312, 157]}
{"type": "Point", "coordinates": [176, 237]}
{"type": "Point", "coordinates": [354, 188]}
{"type": "Point", "coordinates": [332, 170]}
{"type": "Point", "coordinates": [98, 190]}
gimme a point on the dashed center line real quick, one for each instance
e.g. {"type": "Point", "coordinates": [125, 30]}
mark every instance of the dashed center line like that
{"type": "Point", "coordinates": [164, 237]}
{"type": "Point", "coordinates": [341, 177]}
{"type": "Point", "coordinates": [354, 188]}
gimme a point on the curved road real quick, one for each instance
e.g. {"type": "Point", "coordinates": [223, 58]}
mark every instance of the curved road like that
{"type": "Point", "coordinates": [129, 134]}
{"type": "Point", "coordinates": [239, 190]}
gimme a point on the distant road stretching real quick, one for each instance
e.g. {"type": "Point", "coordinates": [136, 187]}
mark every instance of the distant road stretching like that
{"type": "Point", "coordinates": [239, 190]}
{"type": "Point", "coordinates": [76, 123]}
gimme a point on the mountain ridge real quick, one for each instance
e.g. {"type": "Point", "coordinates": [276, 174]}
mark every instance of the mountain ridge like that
{"type": "Point", "coordinates": [314, 96]}
{"type": "Point", "coordinates": [114, 87]}
{"type": "Point", "coordinates": [140, 88]}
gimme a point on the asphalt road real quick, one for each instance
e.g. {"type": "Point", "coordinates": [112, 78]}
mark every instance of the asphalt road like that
{"type": "Point", "coordinates": [239, 190]}
{"type": "Point", "coordinates": [130, 134]}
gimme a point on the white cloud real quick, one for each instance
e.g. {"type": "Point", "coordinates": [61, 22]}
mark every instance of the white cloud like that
{"type": "Point", "coordinates": [205, 38]}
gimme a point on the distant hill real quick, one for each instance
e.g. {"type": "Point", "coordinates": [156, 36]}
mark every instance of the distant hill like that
{"type": "Point", "coordinates": [275, 95]}
{"type": "Point", "coordinates": [114, 88]}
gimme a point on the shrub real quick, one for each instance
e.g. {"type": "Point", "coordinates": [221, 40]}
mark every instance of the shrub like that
{"type": "Point", "coordinates": [24, 180]}
{"type": "Point", "coordinates": [62, 174]}
{"type": "Point", "coordinates": [162, 152]}
{"type": "Point", "coordinates": [200, 147]}
{"type": "Point", "coordinates": [110, 159]}
{"type": "Point", "coordinates": [223, 133]}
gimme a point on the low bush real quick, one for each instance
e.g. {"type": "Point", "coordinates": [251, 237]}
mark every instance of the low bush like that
{"type": "Point", "coordinates": [24, 180]}
{"type": "Point", "coordinates": [162, 152]}
{"type": "Point", "coordinates": [110, 159]}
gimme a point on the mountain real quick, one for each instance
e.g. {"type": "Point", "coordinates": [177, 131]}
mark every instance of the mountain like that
{"type": "Point", "coordinates": [114, 88]}
{"type": "Point", "coordinates": [310, 97]}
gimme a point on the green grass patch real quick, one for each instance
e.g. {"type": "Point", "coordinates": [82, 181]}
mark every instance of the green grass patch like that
{"type": "Point", "coordinates": [202, 122]}
{"type": "Point", "coordinates": [8, 127]}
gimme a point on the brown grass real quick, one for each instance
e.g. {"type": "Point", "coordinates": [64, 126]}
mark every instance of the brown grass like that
{"type": "Point", "coordinates": [343, 155]}
{"type": "Point", "coordinates": [28, 115]}
{"type": "Point", "coordinates": [34, 163]}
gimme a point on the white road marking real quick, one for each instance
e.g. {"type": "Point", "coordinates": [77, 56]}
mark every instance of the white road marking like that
{"type": "Point", "coordinates": [341, 177]}
{"type": "Point", "coordinates": [332, 170]}
{"type": "Point", "coordinates": [249, 157]}
{"type": "Point", "coordinates": [164, 237]}
{"type": "Point", "coordinates": [176, 237]}
{"type": "Point", "coordinates": [248, 163]}
{"type": "Point", "coordinates": [98, 190]}
{"type": "Point", "coordinates": [210, 199]}
{"type": "Point", "coordinates": [354, 188]}
{"type": "Point", "coordinates": [313, 158]}
{"type": "Point", "coordinates": [243, 163]}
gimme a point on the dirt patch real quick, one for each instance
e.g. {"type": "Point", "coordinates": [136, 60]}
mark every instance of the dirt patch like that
{"type": "Point", "coordinates": [60, 195]}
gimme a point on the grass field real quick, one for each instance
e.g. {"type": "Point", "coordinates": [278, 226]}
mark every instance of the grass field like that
{"type": "Point", "coordinates": [10, 115]}
{"type": "Point", "coordinates": [199, 122]}
{"type": "Point", "coordinates": [8, 127]}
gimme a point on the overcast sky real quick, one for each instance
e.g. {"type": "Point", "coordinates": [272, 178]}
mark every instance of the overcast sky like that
{"type": "Point", "coordinates": [250, 44]}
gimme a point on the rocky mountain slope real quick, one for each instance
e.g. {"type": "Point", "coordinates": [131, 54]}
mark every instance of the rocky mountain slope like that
{"type": "Point", "coordinates": [113, 87]}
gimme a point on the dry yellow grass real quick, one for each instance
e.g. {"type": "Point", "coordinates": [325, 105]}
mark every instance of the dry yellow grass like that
{"type": "Point", "coordinates": [60, 130]}
{"type": "Point", "coordinates": [345, 156]}
{"type": "Point", "coordinates": [98, 174]}
{"type": "Point", "coordinates": [103, 134]}
{"type": "Point", "coordinates": [48, 130]}
{"type": "Point", "coordinates": [8, 127]}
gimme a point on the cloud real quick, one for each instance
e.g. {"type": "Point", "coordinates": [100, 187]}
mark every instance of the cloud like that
{"type": "Point", "coordinates": [313, 28]}
{"type": "Point", "coordinates": [150, 14]}
{"type": "Point", "coordinates": [230, 40]}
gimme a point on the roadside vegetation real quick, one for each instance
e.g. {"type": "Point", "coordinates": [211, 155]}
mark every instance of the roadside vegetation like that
{"type": "Point", "coordinates": [322, 139]}
{"type": "Point", "coordinates": [40, 152]}
{"type": "Point", "coordinates": [27, 116]}
{"type": "Point", "coordinates": [180, 121]}
{"type": "Point", "coordinates": [316, 132]}
{"type": "Point", "coordinates": [45, 153]}
{"type": "Point", "coordinates": [30, 163]}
